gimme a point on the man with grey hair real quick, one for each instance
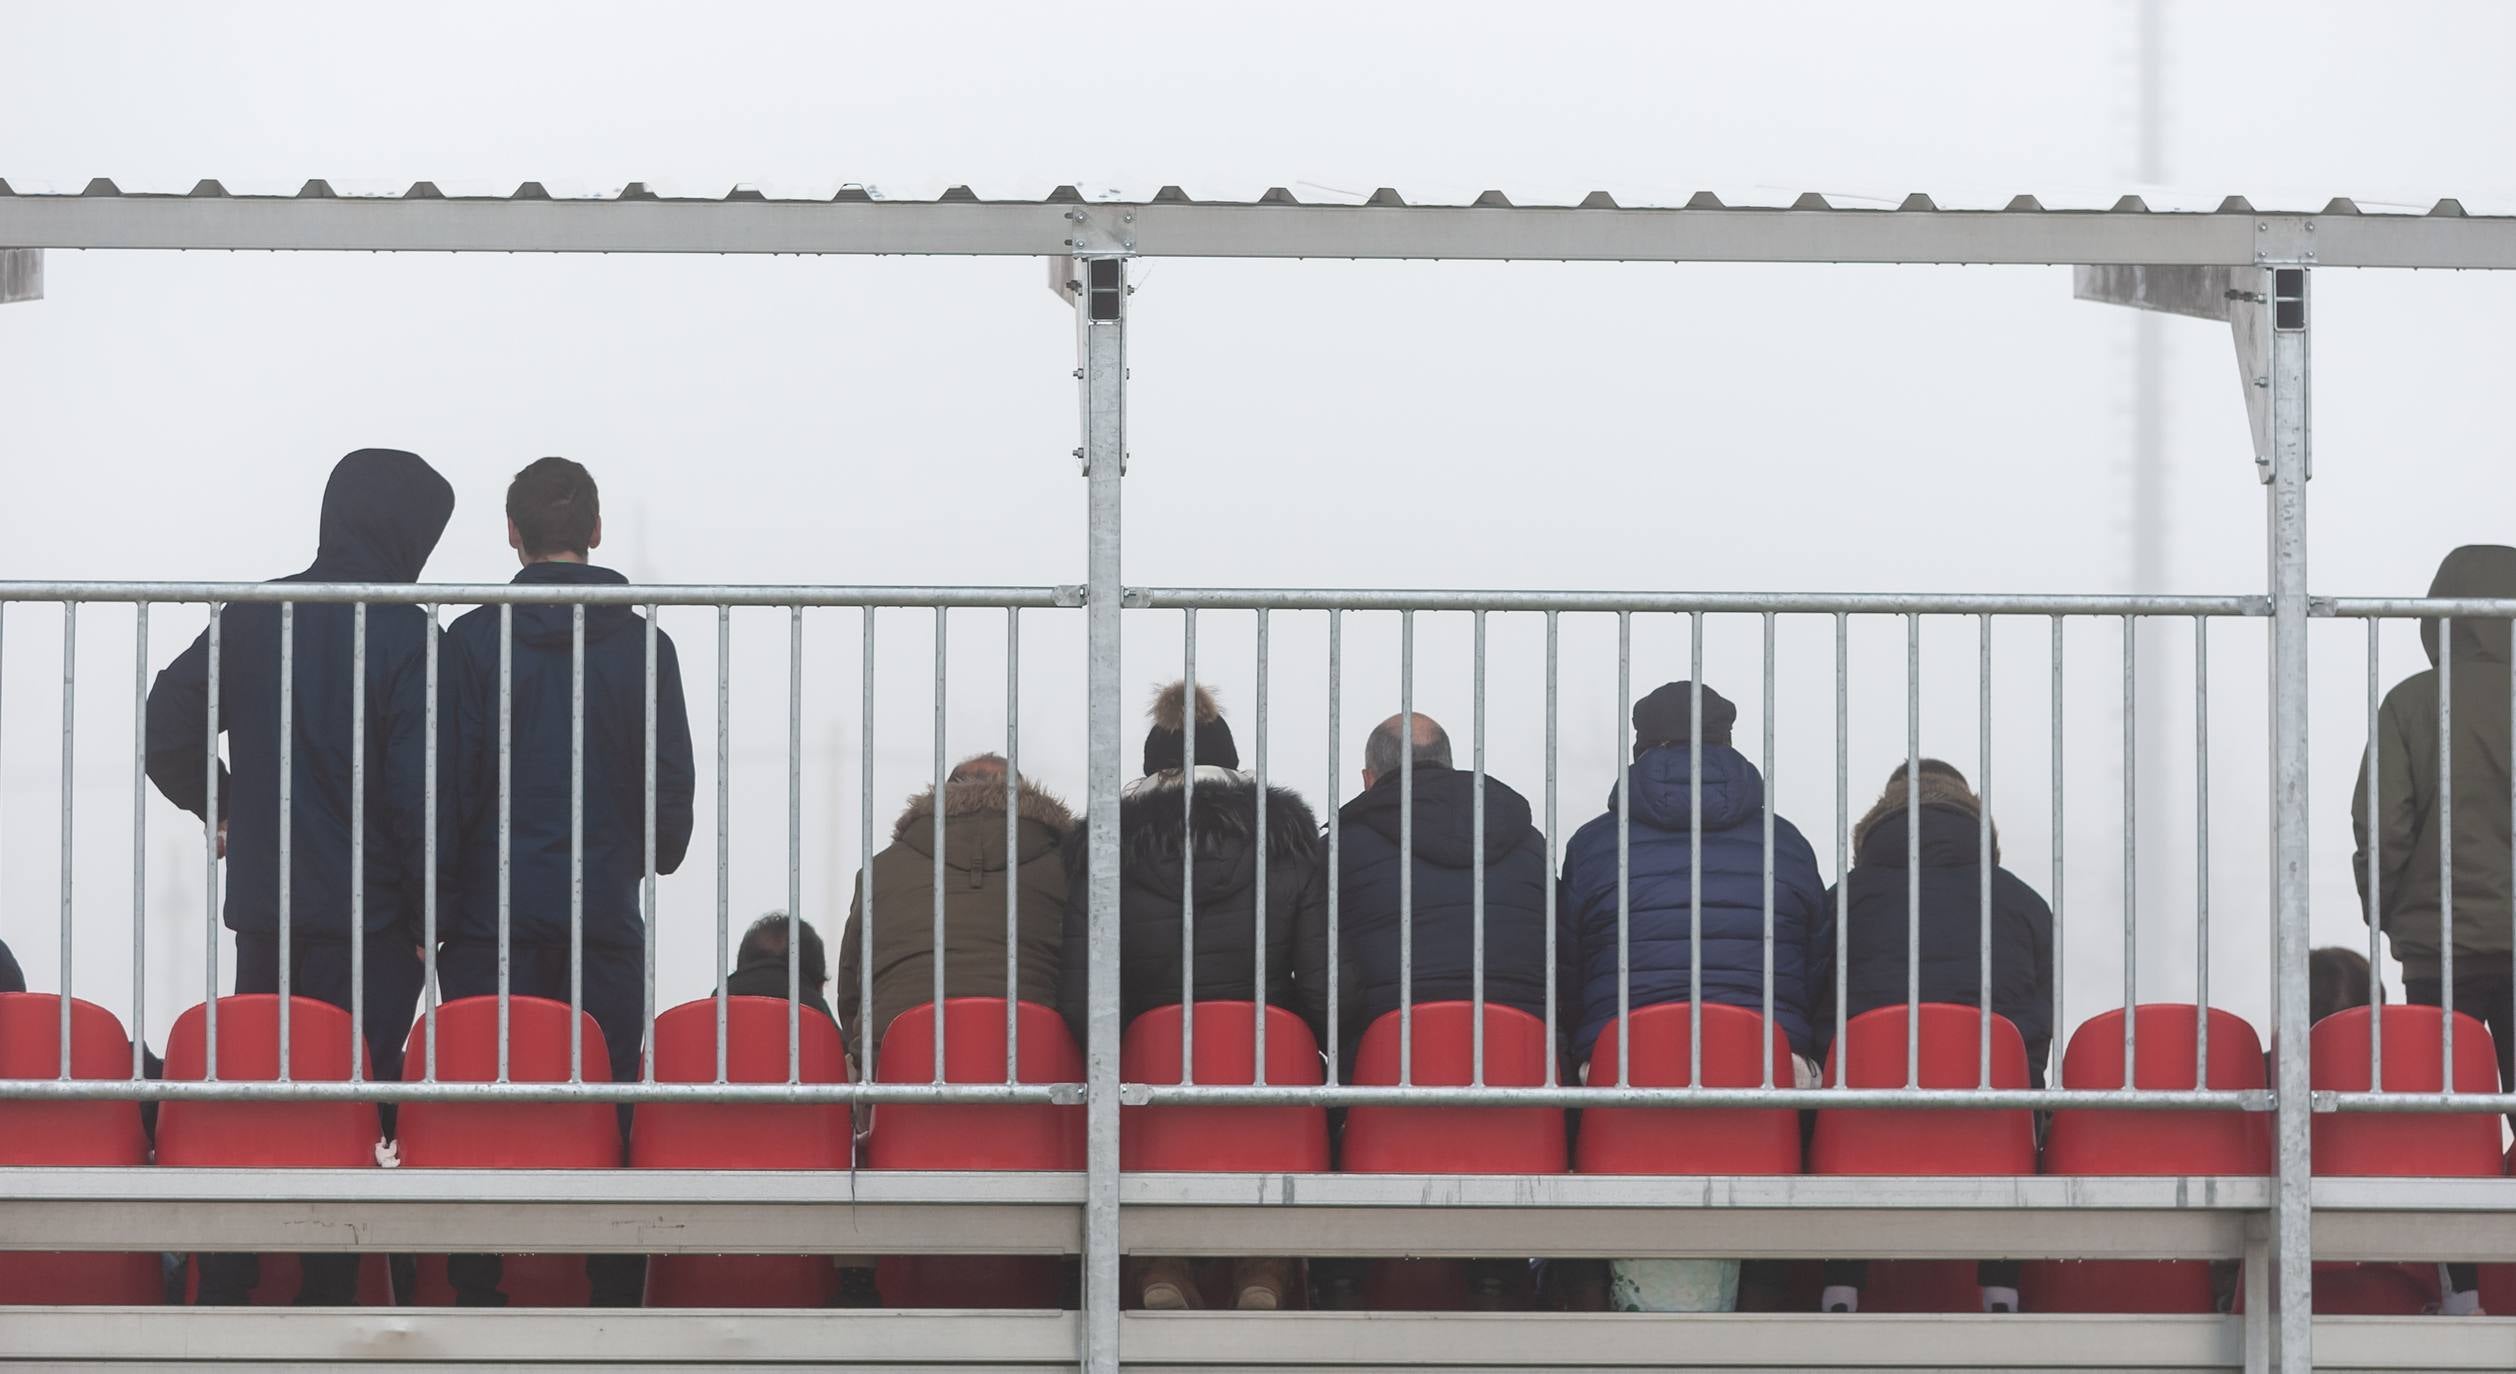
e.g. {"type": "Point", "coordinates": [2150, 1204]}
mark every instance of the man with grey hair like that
{"type": "Point", "coordinates": [1405, 768]}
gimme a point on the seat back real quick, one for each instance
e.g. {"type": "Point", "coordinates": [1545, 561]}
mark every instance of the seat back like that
{"type": "Point", "coordinates": [1925, 1141]}
{"type": "Point", "coordinates": [1223, 1139]}
{"type": "Point", "coordinates": [2387, 1144]}
{"type": "Point", "coordinates": [1004, 1136]}
{"type": "Point", "coordinates": [507, 1135]}
{"type": "Point", "coordinates": [1455, 1140]}
{"type": "Point", "coordinates": [279, 1135]}
{"type": "Point", "coordinates": [2165, 1035]}
{"type": "Point", "coordinates": [742, 1135]}
{"type": "Point", "coordinates": [1739, 1048]}
{"type": "Point", "coordinates": [91, 1134]}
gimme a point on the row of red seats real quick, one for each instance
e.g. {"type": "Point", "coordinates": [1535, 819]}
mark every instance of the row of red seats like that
{"type": "Point", "coordinates": [1406, 1140]}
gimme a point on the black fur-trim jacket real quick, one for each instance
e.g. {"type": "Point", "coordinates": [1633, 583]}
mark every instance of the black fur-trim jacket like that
{"type": "Point", "coordinates": [1209, 846]}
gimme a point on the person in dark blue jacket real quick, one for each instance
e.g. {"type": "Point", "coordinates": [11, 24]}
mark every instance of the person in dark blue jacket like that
{"type": "Point", "coordinates": [554, 520]}
{"type": "Point", "coordinates": [12, 978]}
{"type": "Point", "coordinates": [1664, 804]}
{"type": "Point", "coordinates": [383, 511]}
{"type": "Point", "coordinates": [1369, 861]}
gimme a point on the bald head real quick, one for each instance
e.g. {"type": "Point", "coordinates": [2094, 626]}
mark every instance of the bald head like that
{"type": "Point", "coordinates": [1384, 752]}
{"type": "Point", "coordinates": [981, 768]}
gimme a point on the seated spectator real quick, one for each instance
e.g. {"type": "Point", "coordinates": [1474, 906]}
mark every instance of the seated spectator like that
{"type": "Point", "coordinates": [1660, 803]}
{"type": "Point", "coordinates": [1670, 809]}
{"type": "Point", "coordinates": [12, 978]}
{"type": "Point", "coordinates": [760, 963]}
{"type": "Point", "coordinates": [977, 869]}
{"type": "Point", "coordinates": [1877, 925]}
{"type": "Point", "coordinates": [1206, 845]}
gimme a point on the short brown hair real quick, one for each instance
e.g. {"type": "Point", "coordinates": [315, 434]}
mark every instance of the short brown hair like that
{"type": "Point", "coordinates": [555, 507]}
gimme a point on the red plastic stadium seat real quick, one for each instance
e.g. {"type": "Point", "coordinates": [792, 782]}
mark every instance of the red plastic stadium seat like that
{"type": "Point", "coordinates": [89, 1134]}
{"type": "Point", "coordinates": [1681, 1140]}
{"type": "Point", "coordinates": [1223, 1139]}
{"type": "Point", "coordinates": [265, 1135]}
{"type": "Point", "coordinates": [509, 1135]}
{"type": "Point", "coordinates": [2149, 1142]}
{"type": "Point", "coordinates": [1455, 1140]}
{"type": "Point", "coordinates": [1025, 1136]}
{"type": "Point", "coordinates": [2387, 1144]}
{"type": "Point", "coordinates": [725, 1135]}
{"type": "Point", "coordinates": [1924, 1142]}
{"type": "Point", "coordinates": [277, 1283]}
{"type": "Point", "coordinates": [2376, 1290]}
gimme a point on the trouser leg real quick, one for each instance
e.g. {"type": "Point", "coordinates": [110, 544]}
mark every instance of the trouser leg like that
{"type": "Point", "coordinates": [614, 987]}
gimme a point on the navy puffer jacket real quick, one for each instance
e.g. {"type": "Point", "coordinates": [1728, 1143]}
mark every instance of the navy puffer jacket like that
{"type": "Point", "coordinates": [1369, 862]}
{"type": "Point", "coordinates": [1660, 901]}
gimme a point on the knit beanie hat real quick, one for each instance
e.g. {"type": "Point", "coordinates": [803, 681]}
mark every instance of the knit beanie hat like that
{"type": "Point", "coordinates": [1667, 715]}
{"type": "Point", "coordinates": [1166, 744]}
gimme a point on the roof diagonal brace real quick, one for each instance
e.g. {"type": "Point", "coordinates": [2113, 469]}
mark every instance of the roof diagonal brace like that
{"type": "Point", "coordinates": [21, 274]}
{"type": "Point", "coordinates": [2239, 296]}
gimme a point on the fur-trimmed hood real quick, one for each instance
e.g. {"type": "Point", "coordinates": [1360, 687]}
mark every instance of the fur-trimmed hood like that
{"type": "Point", "coordinates": [974, 823]}
{"type": "Point", "coordinates": [1222, 817]}
{"type": "Point", "coordinates": [1937, 792]}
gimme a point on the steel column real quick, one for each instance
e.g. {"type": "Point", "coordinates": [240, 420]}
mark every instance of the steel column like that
{"type": "Point", "coordinates": [1099, 289]}
{"type": "Point", "coordinates": [2292, 1209]}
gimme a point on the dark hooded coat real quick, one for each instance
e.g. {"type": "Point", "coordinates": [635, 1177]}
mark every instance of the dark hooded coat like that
{"type": "Point", "coordinates": [1874, 895]}
{"type": "Point", "coordinates": [977, 869]}
{"type": "Point", "coordinates": [1517, 872]}
{"type": "Point", "coordinates": [1660, 896]}
{"type": "Point", "coordinates": [540, 855]}
{"type": "Point", "coordinates": [1207, 844]}
{"type": "Point", "coordinates": [383, 511]}
{"type": "Point", "coordinates": [2404, 831]}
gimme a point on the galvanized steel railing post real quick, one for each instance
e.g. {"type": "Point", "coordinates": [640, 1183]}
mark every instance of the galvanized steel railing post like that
{"type": "Point", "coordinates": [2292, 1210]}
{"type": "Point", "coordinates": [1100, 294]}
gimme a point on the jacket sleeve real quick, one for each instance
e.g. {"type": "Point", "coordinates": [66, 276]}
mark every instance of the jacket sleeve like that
{"type": "Point", "coordinates": [467, 765]}
{"type": "Point", "coordinates": [178, 736]}
{"type": "Point", "coordinates": [2036, 1027]}
{"type": "Point", "coordinates": [405, 724]}
{"type": "Point", "coordinates": [1806, 898]}
{"type": "Point", "coordinates": [1569, 964]}
{"type": "Point", "coordinates": [851, 978]}
{"type": "Point", "coordinates": [676, 778]}
{"type": "Point", "coordinates": [1074, 947]}
{"type": "Point", "coordinates": [1822, 934]}
{"type": "Point", "coordinates": [1310, 950]}
{"type": "Point", "coordinates": [2395, 826]}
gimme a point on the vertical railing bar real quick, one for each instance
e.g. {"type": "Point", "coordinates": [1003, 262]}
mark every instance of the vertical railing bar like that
{"type": "Point", "coordinates": [1188, 690]}
{"type": "Point", "coordinates": [288, 869]}
{"type": "Point", "coordinates": [358, 841]}
{"type": "Point", "coordinates": [2375, 870]}
{"type": "Point", "coordinates": [2201, 850]}
{"type": "Point", "coordinates": [1406, 848]}
{"type": "Point", "coordinates": [865, 862]}
{"type": "Point", "coordinates": [2061, 945]}
{"type": "Point", "coordinates": [646, 887]}
{"type": "Point", "coordinates": [1694, 868]}
{"type": "Point", "coordinates": [1913, 850]}
{"type": "Point", "coordinates": [1476, 861]}
{"type": "Point", "coordinates": [139, 838]}
{"type": "Point", "coordinates": [1554, 864]}
{"type": "Point", "coordinates": [1843, 842]}
{"type": "Point", "coordinates": [1984, 857]}
{"type": "Point", "coordinates": [506, 817]}
{"type": "Point", "coordinates": [2446, 850]}
{"type": "Point", "coordinates": [576, 843]}
{"type": "Point", "coordinates": [1765, 1048]}
{"type": "Point", "coordinates": [1624, 842]}
{"type": "Point", "coordinates": [1336, 949]}
{"type": "Point", "coordinates": [428, 852]}
{"type": "Point", "coordinates": [943, 640]}
{"type": "Point", "coordinates": [2131, 849]}
{"type": "Point", "coordinates": [1013, 842]}
{"type": "Point", "coordinates": [69, 731]}
{"type": "Point", "coordinates": [794, 844]}
{"type": "Point", "coordinates": [1258, 953]}
{"type": "Point", "coordinates": [724, 818]}
{"type": "Point", "coordinates": [210, 857]}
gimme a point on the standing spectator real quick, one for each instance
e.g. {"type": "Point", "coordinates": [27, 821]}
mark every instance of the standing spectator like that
{"type": "Point", "coordinates": [1672, 808]}
{"type": "Point", "coordinates": [554, 521]}
{"type": "Point", "coordinates": [1661, 802]}
{"type": "Point", "coordinates": [1951, 830]}
{"type": "Point", "coordinates": [1206, 844]}
{"type": "Point", "coordinates": [383, 511]}
{"type": "Point", "coordinates": [977, 869]}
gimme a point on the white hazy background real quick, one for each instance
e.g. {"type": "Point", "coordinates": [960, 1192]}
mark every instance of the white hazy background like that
{"type": "Point", "coordinates": [1321, 424]}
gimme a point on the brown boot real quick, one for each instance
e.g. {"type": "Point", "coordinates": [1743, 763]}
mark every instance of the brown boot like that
{"type": "Point", "coordinates": [1170, 1285]}
{"type": "Point", "coordinates": [1259, 1285]}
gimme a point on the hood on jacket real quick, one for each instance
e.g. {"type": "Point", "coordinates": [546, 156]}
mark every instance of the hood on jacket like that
{"type": "Point", "coordinates": [980, 848]}
{"type": "Point", "coordinates": [1222, 820]}
{"type": "Point", "coordinates": [1445, 815]}
{"type": "Point", "coordinates": [1951, 825]}
{"type": "Point", "coordinates": [553, 626]}
{"type": "Point", "coordinates": [383, 512]}
{"type": "Point", "coordinates": [2474, 570]}
{"type": "Point", "coordinates": [1662, 791]}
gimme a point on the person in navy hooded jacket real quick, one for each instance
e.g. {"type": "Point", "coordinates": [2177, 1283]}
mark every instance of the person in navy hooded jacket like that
{"type": "Point", "coordinates": [1664, 805]}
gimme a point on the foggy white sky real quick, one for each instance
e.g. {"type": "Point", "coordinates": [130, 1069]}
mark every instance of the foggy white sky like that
{"type": "Point", "coordinates": [1294, 424]}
